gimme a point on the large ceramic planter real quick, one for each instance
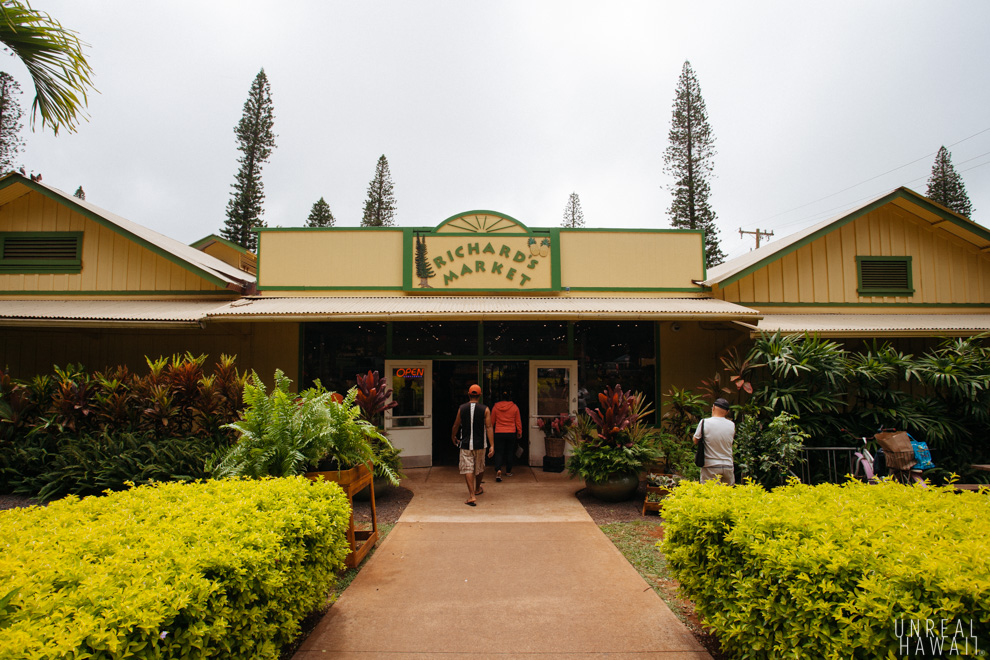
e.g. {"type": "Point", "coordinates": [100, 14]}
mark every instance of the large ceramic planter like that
{"type": "Point", "coordinates": [617, 488]}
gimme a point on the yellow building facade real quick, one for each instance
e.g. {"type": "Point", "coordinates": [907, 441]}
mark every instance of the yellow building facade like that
{"type": "Point", "coordinates": [544, 316]}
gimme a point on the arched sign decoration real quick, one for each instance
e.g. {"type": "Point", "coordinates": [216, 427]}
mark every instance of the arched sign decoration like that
{"type": "Point", "coordinates": [480, 251]}
{"type": "Point", "coordinates": [409, 372]}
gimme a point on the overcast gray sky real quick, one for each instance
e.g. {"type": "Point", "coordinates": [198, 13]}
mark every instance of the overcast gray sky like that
{"type": "Point", "coordinates": [511, 106]}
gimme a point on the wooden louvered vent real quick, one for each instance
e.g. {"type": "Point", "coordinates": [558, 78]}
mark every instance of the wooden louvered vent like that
{"type": "Point", "coordinates": [40, 252]}
{"type": "Point", "coordinates": [888, 275]}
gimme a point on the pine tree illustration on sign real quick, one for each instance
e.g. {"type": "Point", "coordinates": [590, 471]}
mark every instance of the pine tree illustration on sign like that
{"type": "Point", "coordinates": [424, 271]}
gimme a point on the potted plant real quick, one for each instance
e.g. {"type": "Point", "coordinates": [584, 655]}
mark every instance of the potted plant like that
{"type": "Point", "coordinates": [611, 449]}
{"type": "Point", "coordinates": [554, 431]}
{"type": "Point", "coordinates": [373, 399]}
{"type": "Point", "coordinates": [658, 487]}
{"type": "Point", "coordinates": [282, 434]}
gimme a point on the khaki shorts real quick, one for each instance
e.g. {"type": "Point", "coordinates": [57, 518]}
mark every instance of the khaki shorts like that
{"type": "Point", "coordinates": [471, 461]}
{"type": "Point", "coordinates": [726, 473]}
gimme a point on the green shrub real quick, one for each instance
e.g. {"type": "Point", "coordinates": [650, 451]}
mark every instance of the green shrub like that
{"type": "Point", "coordinates": [90, 465]}
{"type": "Point", "coordinates": [46, 423]}
{"type": "Point", "coordinates": [768, 452]}
{"type": "Point", "coordinates": [283, 434]}
{"type": "Point", "coordinates": [829, 571]}
{"type": "Point", "coordinates": [217, 569]}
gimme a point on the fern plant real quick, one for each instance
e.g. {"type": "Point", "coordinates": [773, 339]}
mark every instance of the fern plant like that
{"type": "Point", "coordinates": [283, 435]}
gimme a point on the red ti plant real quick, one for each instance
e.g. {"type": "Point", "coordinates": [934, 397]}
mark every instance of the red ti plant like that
{"type": "Point", "coordinates": [373, 397]}
{"type": "Point", "coordinates": [615, 417]}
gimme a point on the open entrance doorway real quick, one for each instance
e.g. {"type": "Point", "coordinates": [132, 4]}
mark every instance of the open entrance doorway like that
{"type": "Point", "coordinates": [451, 380]}
{"type": "Point", "coordinates": [509, 380]}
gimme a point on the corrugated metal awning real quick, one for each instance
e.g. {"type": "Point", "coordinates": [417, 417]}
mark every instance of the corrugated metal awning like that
{"type": "Point", "coordinates": [105, 313]}
{"type": "Point", "coordinates": [415, 308]}
{"type": "Point", "coordinates": [876, 325]}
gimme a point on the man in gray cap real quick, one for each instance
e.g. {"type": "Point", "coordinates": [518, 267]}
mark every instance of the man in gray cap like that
{"type": "Point", "coordinates": [719, 432]}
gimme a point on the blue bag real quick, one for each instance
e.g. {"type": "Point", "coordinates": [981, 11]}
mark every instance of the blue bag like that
{"type": "Point", "coordinates": [922, 455]}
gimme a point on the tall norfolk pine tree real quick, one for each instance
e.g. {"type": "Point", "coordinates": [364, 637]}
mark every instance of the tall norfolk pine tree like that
{"type": "Point", "coordinates": [379, 208]}
{"type": "Point", "coordinates": [11, 143]}
{"type": "Point", "coordinates": [946, 187]}
{"type": "Point", "coordinates": [573, 215]}
{"type": "Point", "coordinates": [320, 215]}
{"type": "Point", "coordinates": [255, 141]}
{"type": "Point", "coordinates": [688, 159]}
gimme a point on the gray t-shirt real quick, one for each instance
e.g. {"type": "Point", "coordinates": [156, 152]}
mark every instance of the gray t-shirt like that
{"type": "Point", "coordinates": [719, 432]}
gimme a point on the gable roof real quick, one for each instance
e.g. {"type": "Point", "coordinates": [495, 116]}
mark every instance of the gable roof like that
{"type": "Point", "coordinates": [924, 208]}
{"type": "Point", "coordinates": [14, 185]}
{"type": "Point", "coordinates": [206, 241]}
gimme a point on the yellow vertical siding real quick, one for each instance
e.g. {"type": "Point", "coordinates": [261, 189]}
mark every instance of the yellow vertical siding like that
{"type": "Point", "coordinates": [110, 261]}
{"type": "Point", "coordinates": [259, 346]}
{"type": "Point", "coordinates": [945, 268]}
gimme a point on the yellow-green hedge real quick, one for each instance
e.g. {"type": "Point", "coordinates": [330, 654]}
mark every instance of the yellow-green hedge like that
{"type": "Point", "coordinates": [831, 571]}
{"type": "Point", "coordinates": [222, 569]}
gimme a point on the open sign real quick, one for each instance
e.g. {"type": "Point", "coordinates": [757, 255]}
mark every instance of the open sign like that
{"type": "Point", "coordinates": [410, 372]}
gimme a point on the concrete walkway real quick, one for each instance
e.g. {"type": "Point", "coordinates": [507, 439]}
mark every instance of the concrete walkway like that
{"type": "Point", "coordinates": [525, 574]}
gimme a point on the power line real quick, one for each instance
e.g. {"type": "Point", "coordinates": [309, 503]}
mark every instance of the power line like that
{"type": "Point", "coordinates": [816, 216]}
{"type": "Point", "coordinates": [839, 192]}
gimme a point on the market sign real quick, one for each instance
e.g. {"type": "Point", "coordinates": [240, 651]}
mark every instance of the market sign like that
{"type": "Point", "coordinates": [481, 251]}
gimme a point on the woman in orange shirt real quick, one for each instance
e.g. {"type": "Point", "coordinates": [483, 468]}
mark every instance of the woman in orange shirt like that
{"type": "Point", "coordinates": [507, 425]}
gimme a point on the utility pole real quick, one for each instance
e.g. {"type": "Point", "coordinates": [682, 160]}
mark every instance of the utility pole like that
{"type": "Point", "coordinates": [759, 234]}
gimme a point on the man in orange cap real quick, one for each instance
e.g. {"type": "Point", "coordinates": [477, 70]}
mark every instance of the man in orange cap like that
{"type": "Point", "coordinates": [472, 432]}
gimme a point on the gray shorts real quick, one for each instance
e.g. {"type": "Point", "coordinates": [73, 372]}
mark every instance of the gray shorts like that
{"type": "Point", "coordinates": [726, 473]}
{"type": "Point", "coordinates": [471, 461]}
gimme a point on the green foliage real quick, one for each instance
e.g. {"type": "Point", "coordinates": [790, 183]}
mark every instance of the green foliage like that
{"type": "Point", "coordinates": [11, 143]}
{"type": "Point", "coordinates": [941, 397]}
{"type": "Point", "coordinates": [768, 452]}
{"type": "Point", "coordinates": [255, 141]}
{"type": "Point", "coordinates": [597, 462]}
{"type": "Point", "coordinates": [54, 58]}
{"type": "Point", "coordinates": [218, 569]}
{"type": "Point", "coordinates": [282, 434]}
{"type": "Point", "coordinates": [678, 455]}
{"type": "Point", "coordinates": [379, 208]}
{"type": "Point", "coordinates": [946, 187]}
{"type": "Point", "coordinates": [683, 412]}
{"type": "Point", "coordinates": [120, 426]}
{"type": "Point", "coordinates": [612, 439]}
{"type": "Point", "coordinates": [689, 158]}
{"type": "Point", "coordinates": [320, 215]}
{"type": "Point", "coordinates": [90, 465]}
{"type": "Point", "coordinates": [826, 571]}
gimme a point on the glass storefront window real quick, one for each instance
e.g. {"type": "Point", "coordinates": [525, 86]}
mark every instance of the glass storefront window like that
{"type": "Point", "coordinates": [615, 352]}
{"type": "Point", "coordinates": [536, 338]}
{"type": "Point", "coordinates": [432, 338]}
{"type": "Point", "coordinates": [408, 390]}
{"type": "Point", "coordinates": [552, 391]}
{"type": "Point", "coordinates": [335, 353]}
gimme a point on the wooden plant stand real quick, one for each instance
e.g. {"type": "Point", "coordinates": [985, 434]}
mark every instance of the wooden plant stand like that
{"type": "Point", "coordinates": [654, 506]}
{"type": "Point", "coordinates": [353, 481]}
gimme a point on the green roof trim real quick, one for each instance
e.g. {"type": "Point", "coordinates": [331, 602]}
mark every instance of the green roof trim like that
{"type": "Point", "coordinates": [901, 193]}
